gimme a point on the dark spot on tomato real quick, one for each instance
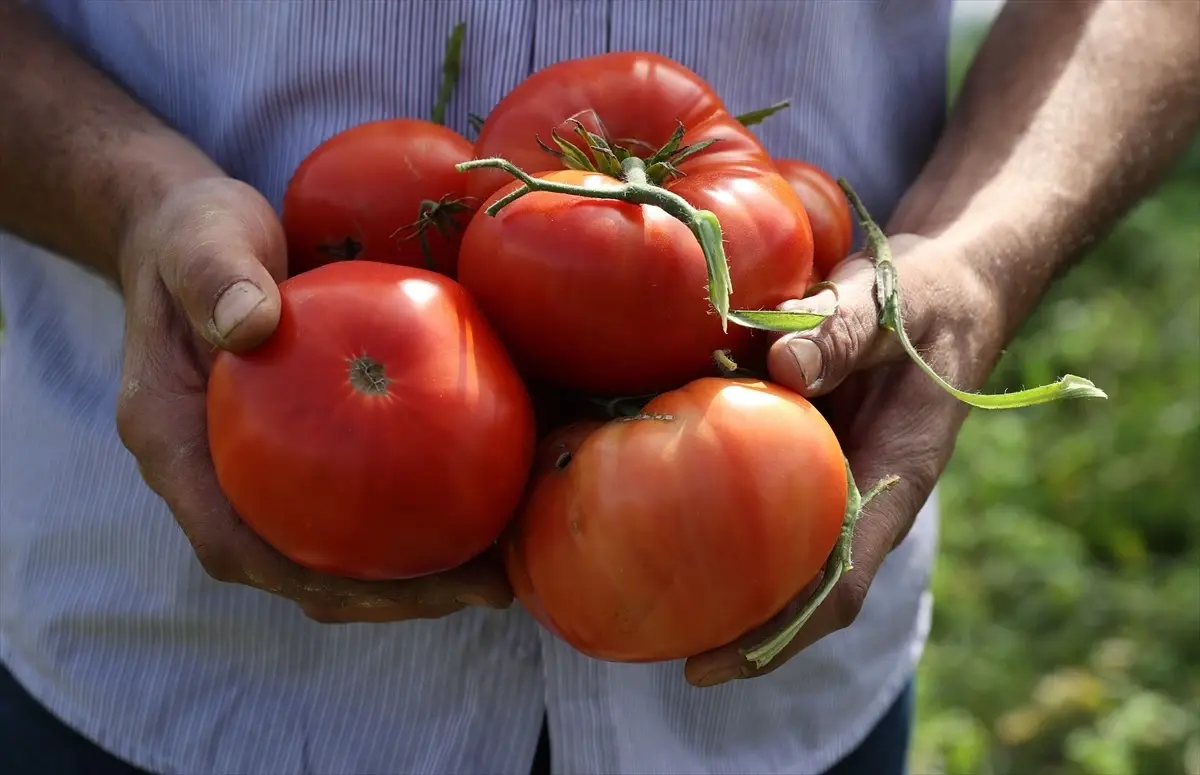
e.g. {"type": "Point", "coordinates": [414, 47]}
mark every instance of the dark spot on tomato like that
{"type": "Point", "coordinates": [368, 376]}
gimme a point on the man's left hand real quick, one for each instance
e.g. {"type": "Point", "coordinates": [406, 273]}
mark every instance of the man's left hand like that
{"type": "Point", "coordinates": [891, 418]}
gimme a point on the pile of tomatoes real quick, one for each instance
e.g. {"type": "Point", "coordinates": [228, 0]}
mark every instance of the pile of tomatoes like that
{"type": "Point", "coordinates": [466, 363]}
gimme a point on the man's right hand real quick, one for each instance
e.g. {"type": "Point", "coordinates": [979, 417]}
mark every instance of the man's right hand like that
{"type": "Point", "coordinates": [201, 272]}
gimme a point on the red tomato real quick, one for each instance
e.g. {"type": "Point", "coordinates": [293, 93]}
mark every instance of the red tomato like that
{"type": "Point", "coordinates": [657, 539]}
{"type": "Point", "coordinates": [828, 212]}
{"type": "Point", "coordinates": [381, 432]}
{"type": "Point", "coordinates": [381, 191]}
{"type": "Point", "coordinates": [606, 296]}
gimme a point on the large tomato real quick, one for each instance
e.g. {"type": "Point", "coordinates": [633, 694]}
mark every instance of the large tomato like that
{"type": "Point", "coordinates": [828, 212]}
{"type": "Point", "coordinates": [608, 296]}
{"type": "Point", "coordinates": [381, 432]}
{"type": "Point", "coordinates": [381, 191]}
{"type": "Point", "coordinates": [662, 537]}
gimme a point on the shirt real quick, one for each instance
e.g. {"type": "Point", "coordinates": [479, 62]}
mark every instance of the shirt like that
{"type": "Point", "coordinates": [107, 618]}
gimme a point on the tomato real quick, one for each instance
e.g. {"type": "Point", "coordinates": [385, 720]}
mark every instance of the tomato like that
{"type": "Point", "coordinates": [608, 296]}
{"type": "Point", "coordinates": [828, 212]}
{"type": "Point", "coordinates": [382, 432]}
{"type": "Point", "coordinates": [380, 191]}
{"type": "Point", "coordinates": [662, 537]}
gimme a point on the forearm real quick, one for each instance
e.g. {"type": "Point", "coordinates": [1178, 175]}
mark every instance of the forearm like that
{"type": "Point", "coordinates": [1071, 112]}
{"type": "Point", "coordinates": [79, 158]}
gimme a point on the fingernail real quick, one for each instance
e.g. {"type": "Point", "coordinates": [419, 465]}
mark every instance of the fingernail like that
{"type": "Point", "coordinates": [469, 598]}
{"type": "Point", "coordinates": [720, 675]}
{"type": "Point", "coordinates": [808, 359]}
{"type": "Point", "coordinates": [235, 305]}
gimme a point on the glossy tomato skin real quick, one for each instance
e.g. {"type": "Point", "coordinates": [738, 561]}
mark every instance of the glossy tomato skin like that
{"type": "Point", "coordinates": [580, 308]}
{"type": "Point", "coordinates": [359, 193]}
{"type": "Point", "coordinates": [828, 212]}
{"type": "Point", "coordinates": [658, 539]}
{"type": "Point", "coordinates": [364, 477]}
{"type": "Point", "coordinates": [609, 297]}
{"type": "Point", "coordinates": [635, 95]}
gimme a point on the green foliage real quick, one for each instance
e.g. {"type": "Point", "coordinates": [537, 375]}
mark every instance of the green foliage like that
{"type": "Point", "coordinates": [1067, 623]}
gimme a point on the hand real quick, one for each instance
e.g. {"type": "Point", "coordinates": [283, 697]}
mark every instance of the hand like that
{"type": "Point", "coordinates": [890, 417]}
{"type": "Point", "coordinates": [200, 273]}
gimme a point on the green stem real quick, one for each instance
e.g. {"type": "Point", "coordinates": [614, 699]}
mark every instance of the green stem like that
{"type": "Point", "coordinates": [887, 297]}
{"type": "Point", "coordinates": [758, 116]}
{"type": "Point", "coordinates": [840, 561]}
{"type": "Point", "coordinates": [451, 70]}
{"type": "Point", "coordinates": [634, 189]}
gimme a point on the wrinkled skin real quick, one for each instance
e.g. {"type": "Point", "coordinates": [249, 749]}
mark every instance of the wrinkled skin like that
{"type": "Point", "coordinates": [359, 195]}
{"type": "Point", "coordinates": [628, 281]}
{"type": "Point", "coordinates": [392, 475]}
{"type": "Point", "coordinates": [656, 539]}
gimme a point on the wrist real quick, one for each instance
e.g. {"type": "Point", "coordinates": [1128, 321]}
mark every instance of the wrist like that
{"type": "Point", "coordinates": [1004, 240]}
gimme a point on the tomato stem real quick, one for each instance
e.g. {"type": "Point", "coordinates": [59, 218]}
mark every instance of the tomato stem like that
{"type": "Point", "coordinates": [887, 298]}
{"type": "Point", "coordinates": [729, 368]}
{"type": "Point", "coordinates": [725, 362]}
{"type": "Point", "coordinates": [451, 70]}
{"type": "Point", "coordinates": [840, 562]}
{"type": "Point", "coordinates": [758, 116]}
{"type": "Point", "coordinates": [442, 216]}
{"type": "Point", "coordinates": [634, 189]}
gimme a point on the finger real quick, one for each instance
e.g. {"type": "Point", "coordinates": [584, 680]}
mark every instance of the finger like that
{"type": "Point", "coordinates": [216, 258]}
{"type": "Point", "coordinates": [815, 362]}
{"type": "Point", "coordinates": [910, 438]}
{"type": "Point", "coordinates": [326, 614]}
{"type": "Point", "coordinates": [480, 582]}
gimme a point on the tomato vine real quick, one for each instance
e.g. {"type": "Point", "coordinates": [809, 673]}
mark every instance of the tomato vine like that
{"type": "Point", "coordinates": [442, 214]}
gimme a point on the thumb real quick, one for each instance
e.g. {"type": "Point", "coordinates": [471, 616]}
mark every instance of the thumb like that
{"type": "Point", "coordinates": [215, 256]}
{"type": "Point", "coordinates": [815, 362]}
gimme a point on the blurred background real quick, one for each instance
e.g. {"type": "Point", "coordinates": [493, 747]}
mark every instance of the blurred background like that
{"type": "Point", "coordinates": [1066, 633]}
{"type": "Point", "coordinates": [1066, 636]}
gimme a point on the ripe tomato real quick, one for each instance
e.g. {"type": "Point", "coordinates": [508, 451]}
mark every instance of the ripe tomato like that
{"type": "Point", "coordinates": [380, 191]}
{"type": "Point", "coordinates": [828, 212]}
{"type": "Point", "coordinates": [608, 296]}
{"type": "Point", "coordinates": [656, 539]}
{"type": "Point", "coordinates": [381, 432]}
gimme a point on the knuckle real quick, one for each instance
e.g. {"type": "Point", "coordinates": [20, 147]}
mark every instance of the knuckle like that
{"type": "Point", "coordinates": [842, 344]}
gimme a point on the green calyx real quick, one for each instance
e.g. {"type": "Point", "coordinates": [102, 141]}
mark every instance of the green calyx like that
{"type": "Point", "coordinates": [608, 156]}
{"type": "Point", "coordinates": [750, 118]}
{"type": "Point", "coordinates": [442, 216]}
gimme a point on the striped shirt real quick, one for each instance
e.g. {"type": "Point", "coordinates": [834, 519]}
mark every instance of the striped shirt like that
{"type": "Point", "coordinates": [107, 618]}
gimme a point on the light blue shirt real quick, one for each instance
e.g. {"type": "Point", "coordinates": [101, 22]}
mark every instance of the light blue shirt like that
{"type": "Point", "coordinates": [107, 618]}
